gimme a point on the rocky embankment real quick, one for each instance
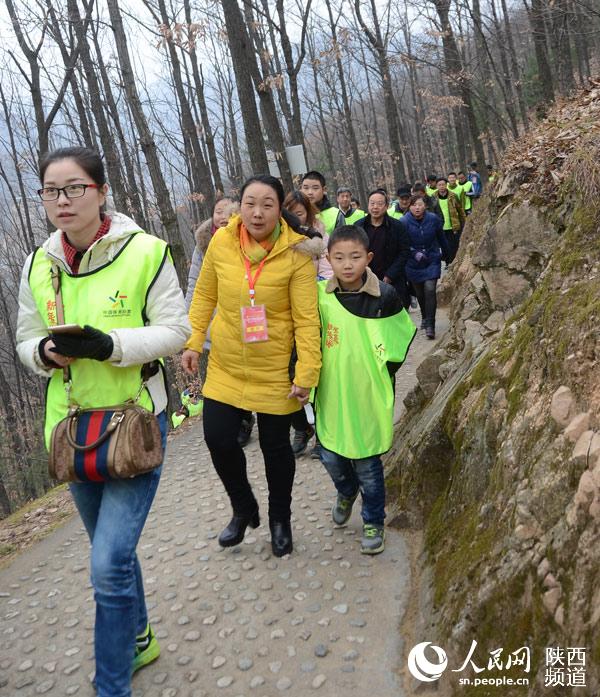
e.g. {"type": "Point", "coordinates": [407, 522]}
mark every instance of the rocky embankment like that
{"type": "Point", "coordinates": [498, 457]}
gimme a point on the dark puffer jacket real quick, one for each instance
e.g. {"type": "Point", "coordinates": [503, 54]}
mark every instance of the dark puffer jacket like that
{"type": "Point", "coordinates": [395, 252]}
{"type": "Point", "coordinates": [428, 247]}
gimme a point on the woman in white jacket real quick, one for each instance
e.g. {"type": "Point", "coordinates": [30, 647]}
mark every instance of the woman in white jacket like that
{"type": "Point", "coordinates": [121, 285]}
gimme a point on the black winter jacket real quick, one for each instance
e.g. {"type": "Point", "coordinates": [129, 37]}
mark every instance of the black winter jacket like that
{"type": "Point", "coordinates": [396, 252]}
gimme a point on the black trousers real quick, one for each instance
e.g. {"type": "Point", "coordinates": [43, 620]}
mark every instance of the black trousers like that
{"type": "Point", "coordinates": [426, 295]}
{"type": "Point", "coordinates": [300, 421]}
{"type": "Point", "coordinates": [453, 241]}
{"type": "Point", "coordinates": [221, 428]}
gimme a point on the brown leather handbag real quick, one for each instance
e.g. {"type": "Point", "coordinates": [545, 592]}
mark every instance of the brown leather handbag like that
{"type": "Point", "coordinates": [97, 445]}
{"type": "Point", "coordinates": [100, 444]}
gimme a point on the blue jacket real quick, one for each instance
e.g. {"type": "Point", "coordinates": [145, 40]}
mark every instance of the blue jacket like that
{"type": "Point", "coordinates": [428, 247]}
{"type": "Point", "coordinates": [477, 186]}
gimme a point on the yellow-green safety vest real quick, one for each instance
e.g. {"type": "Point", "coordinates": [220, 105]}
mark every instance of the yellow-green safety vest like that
{"type": "Point", "coordinates": [355, 216]}
{"type": "Point", "coordinates": [355, 395]}
{"type": "Point", "coordinates": [467, 186]}
{"type": "Point", "coordinates": [459, 192]}
{"type": "Point", "coordinates": [393, 213]}
{"type": "Point", "coordinates": [445, 212]}
{"type": "Point", "coordinates": [111, 297]}
{"type": "Point", "coordinates": [329, 218]}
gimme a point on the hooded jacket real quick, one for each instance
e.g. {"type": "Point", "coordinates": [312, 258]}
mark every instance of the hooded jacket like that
{"type": "Point", "coordinates": [203, 235]}
{"type": "Point", "coordinates": [167, 329]}
{"type": "Point", "coordinates": [255, 376]}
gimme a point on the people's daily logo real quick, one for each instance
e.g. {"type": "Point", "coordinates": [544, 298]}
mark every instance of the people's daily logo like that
{"type": "Point", "coordinates": [421, 667]}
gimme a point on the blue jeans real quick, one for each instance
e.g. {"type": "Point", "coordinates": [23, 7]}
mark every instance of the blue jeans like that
{"type": "Point", "coordinates": [364, 475]}
{"type": "Point", "coordinates": [114, 514]}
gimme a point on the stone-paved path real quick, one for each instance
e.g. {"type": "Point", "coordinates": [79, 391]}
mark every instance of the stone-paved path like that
{"type": "Point", "coordinates": [231, 623]}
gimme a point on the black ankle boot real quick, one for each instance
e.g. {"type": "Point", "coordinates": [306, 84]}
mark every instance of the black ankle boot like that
{"type": "Point", "coordinates": [234, 532]}
{"type": "Point", "coordinates": [281, 537]}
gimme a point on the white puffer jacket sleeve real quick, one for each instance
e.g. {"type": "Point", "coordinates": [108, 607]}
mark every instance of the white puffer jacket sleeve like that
{"type": "Point", "coordinates": [169, 326]}
{"type": "Point", "coordinates": [30, 326]}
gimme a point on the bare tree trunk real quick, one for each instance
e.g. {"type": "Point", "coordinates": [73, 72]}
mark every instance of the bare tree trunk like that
{"type": "Point", "coordinates": [293, 67]}
{"type": "Point", "coordinates": [319, 104]}
{"type": "Point", "coordinates": [581, 43]}
{"type": "Point", "coordinates": [199, 87]}
{"type": "Point", "coordinates": [84, 125]}
{"type": "Point", "coordinates": [538, 28]}
{"type": "Point", "coordinates": [23, 204]}
{"type": "Point", "coordinates": [263, 86]}
{"type": "Point", "coordinates": [379, 49]}
{"type": "Point", "coordinates": [120, 164]}
{"type": "Point", "coordinates": [559, 13]}
{"type": "Point", "coordinates": [163, 197]}
{"type": "Point", "coordinates": [122, 201]}
{"type": "Point", "coordinates": [362, 189]}
{"type": "Point", "coordinates": [456, 69]}
{"type": "Point", "coordinates": [43, 121]}
{"type": "Point", "coordinates": [200, 173]}
{"type": "Point", "coordinates": [516, 73]}
{"type": "Point", "coordinates": [239, 47]}
{"type": "Point", "coordinates": [371, 103]}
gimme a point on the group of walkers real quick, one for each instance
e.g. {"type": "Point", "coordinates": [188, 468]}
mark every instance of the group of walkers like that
{"type": "Point", "coordinates": [292, 299]}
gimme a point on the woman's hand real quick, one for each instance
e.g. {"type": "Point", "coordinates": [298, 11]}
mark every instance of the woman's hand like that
{"type": "Point", "coordinates": [91, 343]}
{"type": "Point", "coordinates": [300, 393]}
{"type": "Point", "coordinates": [189, 361]}
{"type": "Point", "coordinates": [54, 357]}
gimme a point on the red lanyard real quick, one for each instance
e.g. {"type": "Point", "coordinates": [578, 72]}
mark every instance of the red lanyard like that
{"type": "Point", "coordinates": [253, 279]}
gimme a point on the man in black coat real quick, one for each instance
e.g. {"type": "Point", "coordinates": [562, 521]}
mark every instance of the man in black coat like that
{"type": "Point", "coordinates": [389, 243]}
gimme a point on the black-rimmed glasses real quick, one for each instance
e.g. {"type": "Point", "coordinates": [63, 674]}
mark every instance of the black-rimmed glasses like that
{"type": "Point", "coordinates": [51, 193]}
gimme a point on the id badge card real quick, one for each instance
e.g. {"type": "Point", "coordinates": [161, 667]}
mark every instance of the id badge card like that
{"type": "Point", "coordinates": [254, 324]}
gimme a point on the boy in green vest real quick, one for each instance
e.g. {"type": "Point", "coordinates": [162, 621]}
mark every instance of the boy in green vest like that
{"type": "Point", "coordinates": [365, 335]}
{"type": "Point", "coordinates": [314, 187]}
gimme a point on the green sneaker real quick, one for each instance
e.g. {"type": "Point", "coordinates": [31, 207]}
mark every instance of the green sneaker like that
{"type": "Point", "coordinates": [147, 650]}
{"type": "Point", "coordinates": [342, 509]}
{"type": "Point", "coordinates": [373, 539]}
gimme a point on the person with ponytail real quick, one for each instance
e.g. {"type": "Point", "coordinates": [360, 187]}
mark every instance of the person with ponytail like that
{"type": "Point", "coordinates": [258, 274]}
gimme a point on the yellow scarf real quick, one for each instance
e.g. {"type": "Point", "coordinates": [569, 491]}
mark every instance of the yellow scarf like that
{"type": "Point", "coordinates": [257, 251]}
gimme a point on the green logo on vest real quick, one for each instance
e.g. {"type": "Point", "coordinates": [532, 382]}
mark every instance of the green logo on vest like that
{"type": "Point", "coordinates": [118, 307]}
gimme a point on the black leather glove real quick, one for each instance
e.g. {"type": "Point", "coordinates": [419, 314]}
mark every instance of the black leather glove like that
{"type": "Point", "coordinates": [92, 343]}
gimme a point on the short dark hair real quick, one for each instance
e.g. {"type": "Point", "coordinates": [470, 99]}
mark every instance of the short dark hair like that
{"type": "Point", "coordinates": [431, 177]}
{"type": "Point", "coordinates": [348, 232]}
{"type": "Point", "coordinates": [419, 186]}
{"type": "Point", "coordinates": [454, 173]}
{"type": "Point", "coordinates": [441, 179]}
{"type": "Point", "coordinates": [313, 174]}
{"type": "Point", "coordinates": [89, 161]}
{"type": "Point", "coordinates": [417, 197]}
{"type": "Point", "coordinates": [461, 172]}
{"type": "Point", "coordinates": [403, 190]}
{"type": "Point", "coordinates": [473, 165]}
{"type": "Point", "coordinates": [380, 191]}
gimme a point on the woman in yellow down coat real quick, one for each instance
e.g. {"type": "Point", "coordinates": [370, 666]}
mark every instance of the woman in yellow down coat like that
{"type": "Point", "coordinates": [258, 273]}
